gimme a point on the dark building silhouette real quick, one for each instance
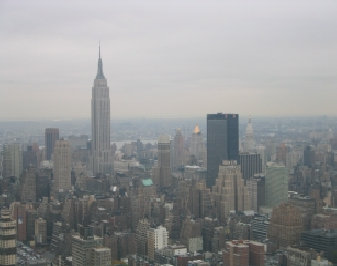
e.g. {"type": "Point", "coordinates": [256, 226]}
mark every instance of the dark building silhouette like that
{"type": "Point", "coordinates": [222, 142]}
{"type": "Point", "coordinates": [163, 170]}
{"type": "Point", "coordinates": [250, 163]}
{"type": "Point", "coordinates": [43, 183]}
{"type": "Point", "coordinates": [28, 185]}
{"type": "Point", "coordinates": [178, 150]}
{"type": "Point", "coordinates": [51, 135]}
{"type": "Point", "coordinates": [309, 156]}
{"type": "Point", "coordinates": [30, 156]}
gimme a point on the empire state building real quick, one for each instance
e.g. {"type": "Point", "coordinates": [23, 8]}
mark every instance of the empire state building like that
{"type": "Point", "coordinates": [102, 157]}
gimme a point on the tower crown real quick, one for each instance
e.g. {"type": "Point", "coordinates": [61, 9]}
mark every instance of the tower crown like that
{"type": "Point", "coordinates": [196, 129]}
{"type": "Point", "coordinates": [100, 74]}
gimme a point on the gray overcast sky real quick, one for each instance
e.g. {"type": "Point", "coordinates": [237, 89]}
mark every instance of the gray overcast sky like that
{"type": "Point", "coordinates": [170, 58]}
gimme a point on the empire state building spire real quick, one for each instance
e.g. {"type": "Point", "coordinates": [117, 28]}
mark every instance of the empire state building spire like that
{"type": "Point", "coordinates": [101, 153]}
{"type": "Point", "coordinates": [100, 74]}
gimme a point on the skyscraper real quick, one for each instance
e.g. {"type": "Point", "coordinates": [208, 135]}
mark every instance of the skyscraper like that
{"type": "Point", "coordinates": [101, 256]}
{"type": "Point", "coordinates": [7, 239]}
{"type": "Point", "coordinates": [178, 150]}
{"type": "Point", "coordinates": [156, 239]}
{"type": "Point", "coordinates": [164, 169]}
{"type": "Point", "coordinates": [83, 245]}
{"type": "Point", "coordinates": [276, 184]}
{"type": "Point", "coordinates": [19, 214]}
{"type": "Point", "coordinates": [62, 166]}
{"type": "Point", "coordinates": [141, 236]}
{"type": "Point", "coordinates": [250, 163]}
{"type": "Point", "coordinates": [256, 191]}
{"type": "Point", "coordinates": [40, 231]}
{"type": "Point", "coordinates": [286, 226]}
{"type": "Point", "coordinates": [222, 142]}
{"type": "Point", "coordinates": [28, 185]}
{"type": "Point", "coordinates": [31, 156]}
{"type": "Point", "coordinates": [249, 143]}
{"type": "Point", "coordinates": [229, 191]}
{"type": "Point", "coordinates": [102, 159]}
{"type": "Point", "coordinates": [198, 147]}
{"type": "Point", "coordinates": [51, 135]}
{"type": "Point", "coordinates": [12, 160]}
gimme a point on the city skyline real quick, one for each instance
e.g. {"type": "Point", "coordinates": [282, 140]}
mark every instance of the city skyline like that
{"type": "Point", "coordinates": [208, 138]}
{"type": "Point", "coordinates": [264, 58]}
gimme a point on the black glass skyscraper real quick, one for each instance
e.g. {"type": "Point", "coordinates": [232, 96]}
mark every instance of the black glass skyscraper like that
{"type": "Point", "coordinates": [222, 142]}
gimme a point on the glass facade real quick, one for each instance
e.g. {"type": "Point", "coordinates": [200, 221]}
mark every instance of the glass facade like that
{"type": "Point", "coordinates": [222, 142]}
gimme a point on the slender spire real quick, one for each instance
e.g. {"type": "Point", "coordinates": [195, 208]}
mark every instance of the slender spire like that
{"type": "Point", "coordinates": [100, 74]}
{"type": "Point", "coordinates": [99, 49]}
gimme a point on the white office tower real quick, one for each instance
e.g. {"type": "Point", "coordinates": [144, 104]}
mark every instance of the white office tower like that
{"type": "Point", "coordinates": [102, 157]}
{"type": "Point", "coordinates": [156, 239]}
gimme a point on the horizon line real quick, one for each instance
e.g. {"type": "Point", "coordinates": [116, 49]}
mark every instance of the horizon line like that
{"type": "Point", "coordinates": [64, 119]}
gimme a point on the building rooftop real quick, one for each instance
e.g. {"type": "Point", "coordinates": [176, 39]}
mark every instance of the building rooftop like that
{"type": "Point", "coordinates": [164, 139]}
{"type": "Point", "coordinates": [147, 182]}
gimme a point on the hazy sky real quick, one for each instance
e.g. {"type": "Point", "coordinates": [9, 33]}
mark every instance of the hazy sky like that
{"type": "Point", "coordinates": [170, 58]}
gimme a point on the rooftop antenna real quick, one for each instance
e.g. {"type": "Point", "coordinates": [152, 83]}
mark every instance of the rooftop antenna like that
{"type": "Point", "coordinates": [99, 49]}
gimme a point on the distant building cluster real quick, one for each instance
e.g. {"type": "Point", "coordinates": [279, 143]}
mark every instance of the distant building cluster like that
{"type": "Point", "coordinates": [200, 196]}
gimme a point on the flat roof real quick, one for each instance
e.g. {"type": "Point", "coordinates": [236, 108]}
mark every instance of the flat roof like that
{"type": "Point", "coordinates": [147, 182]}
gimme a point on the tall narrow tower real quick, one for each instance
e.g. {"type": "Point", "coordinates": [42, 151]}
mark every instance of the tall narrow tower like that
{"type": "Point", "coordinates": [178, 150]}
{"type": "Point", "coordinates": [62, 166]}
{"type": "Point", "coordinates": [51, 135]}
{"type": "Point", "coordinates": [249, 143]}
{"type": "Point", "coordinates": [12, 161]}
{"type": "Point", "coordinates": [102, 159]}
{"type": "Point", "coordinates": [164, 156]}
{"type": "Point", "coordinates": [222, 142]}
